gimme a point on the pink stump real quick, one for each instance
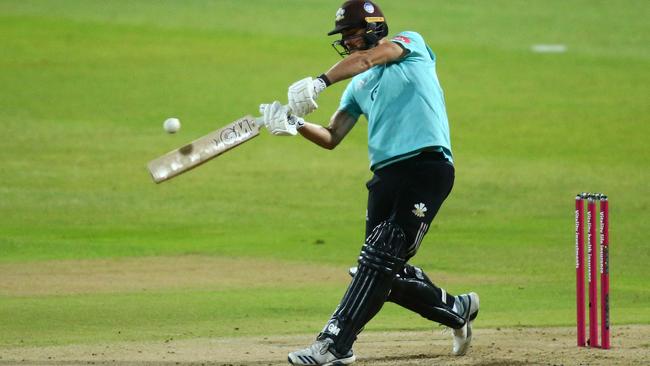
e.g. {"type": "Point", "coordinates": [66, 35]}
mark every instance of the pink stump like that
{"type": "Point", "coordinates": [591, 268]}
{"type": "Point", "coordinates": [604, 271]}
{"type": "Point", "coordinates": [580, 270]}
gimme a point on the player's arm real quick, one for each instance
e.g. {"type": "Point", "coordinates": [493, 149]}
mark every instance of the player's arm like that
{"type": "Point", "coordinates": [280, 121]}
{"type": "Point", "coordinates": [303, 93]}
{"type": "Point", "coordinates": [360, 61]}
{"type": "Point", "coordinates": [329, 137]}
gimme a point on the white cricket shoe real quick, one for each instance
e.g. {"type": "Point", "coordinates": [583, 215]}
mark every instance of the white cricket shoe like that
{"type": "Point", "coordinates": [463, 336]}
{"type": "Point", "coordinates": [319, 354]}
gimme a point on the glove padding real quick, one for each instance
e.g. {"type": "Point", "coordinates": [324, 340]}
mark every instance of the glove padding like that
{"type": "Point", "coordinates": [302, 95]}
{"type": "Point", "coordinates": [277, 119]}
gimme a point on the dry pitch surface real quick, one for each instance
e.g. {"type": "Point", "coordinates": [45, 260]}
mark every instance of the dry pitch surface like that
{"type": "Point", "coordinates": [528, 346]}
{"type": "Point", "coordinates": [505, 346]}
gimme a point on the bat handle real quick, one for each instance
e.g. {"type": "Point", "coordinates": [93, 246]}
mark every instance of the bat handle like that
{"type": "Point", "coordinates": [259, 121]}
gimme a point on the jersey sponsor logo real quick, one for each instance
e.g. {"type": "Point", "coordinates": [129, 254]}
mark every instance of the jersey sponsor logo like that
{"type": "Point", "coordinates": [340, 14]}
{"type": "Point", "coordinates": [369, 8]}
{"type": "Point", "coordinates": [360, 84]}
{"type": "Point", "coordinates": [365, 81]}
{"type": "Point", "coordinates": [402, 39]}
{"type": "Point", "coordinates": [419, 210]}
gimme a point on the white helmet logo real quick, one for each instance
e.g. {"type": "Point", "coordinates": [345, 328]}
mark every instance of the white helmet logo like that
{"type": "Point", "coordinates": [369, 8]}
{"type": "Point", "coordinates": [340, 14]}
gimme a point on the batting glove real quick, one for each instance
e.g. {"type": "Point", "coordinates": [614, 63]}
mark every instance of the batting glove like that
{"type": "Point", "coordinates": [303, 93]}
{"type": "Point", "coordinates": [277, 119]}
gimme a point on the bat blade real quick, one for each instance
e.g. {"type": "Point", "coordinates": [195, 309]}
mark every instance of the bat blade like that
{"type": "Point", "coordinates": [204, 149]}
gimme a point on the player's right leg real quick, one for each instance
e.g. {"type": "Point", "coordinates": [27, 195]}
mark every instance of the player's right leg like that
{"type": "Point", "coordinates": [382, 257]}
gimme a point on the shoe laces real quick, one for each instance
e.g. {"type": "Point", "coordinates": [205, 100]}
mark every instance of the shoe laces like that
{"type": "Point", "coordinates": [464, 308]}
{"type": "Point", "coordinates": [321, 346]}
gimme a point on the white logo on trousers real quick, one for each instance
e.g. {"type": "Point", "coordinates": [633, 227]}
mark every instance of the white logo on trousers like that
{"type": "Point", "coordinates": [419, 210]}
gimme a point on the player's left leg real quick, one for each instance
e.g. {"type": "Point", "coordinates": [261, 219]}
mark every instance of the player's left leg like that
{"type": "Point", "coordinates": [413, 290]}
{"type": "Point", "coordinates": [468, 305]}
{"type": "Point", "coordinates": [419, 203]}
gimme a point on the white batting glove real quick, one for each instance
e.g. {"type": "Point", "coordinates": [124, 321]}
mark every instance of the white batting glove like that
{"type": "Point", "coordinates": [303, 93]}
{"type": "Point", "coordinates": [278, 121]}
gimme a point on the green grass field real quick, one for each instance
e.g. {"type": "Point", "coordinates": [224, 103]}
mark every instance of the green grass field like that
{"type": "Point", "coordinates": [86, 86]}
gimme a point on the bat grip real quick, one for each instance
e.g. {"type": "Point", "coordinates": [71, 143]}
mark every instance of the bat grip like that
{"type": "Point", "coordinates": [259, 121]}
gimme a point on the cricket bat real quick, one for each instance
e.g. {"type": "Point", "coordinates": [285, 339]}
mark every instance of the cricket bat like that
{"type": "Point", "coordinates": [204, 149]}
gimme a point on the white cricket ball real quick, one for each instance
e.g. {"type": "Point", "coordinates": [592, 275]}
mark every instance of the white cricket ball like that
{"type": "Point", "coordinates": [172, 125]}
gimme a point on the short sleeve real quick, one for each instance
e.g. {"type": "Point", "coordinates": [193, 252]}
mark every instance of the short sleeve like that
{"type": "Point", "coordinates": [414, 43]}
{"type": "Point", "coordinates": [348, 102]}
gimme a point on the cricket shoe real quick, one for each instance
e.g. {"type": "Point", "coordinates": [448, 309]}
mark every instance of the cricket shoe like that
{"type": "Point", "coordinates": [468, 307]}
{"type": "Point", "coordinates": [319, 354]}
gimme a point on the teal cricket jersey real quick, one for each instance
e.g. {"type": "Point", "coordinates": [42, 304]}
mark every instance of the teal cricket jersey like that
{"type": "Point", "coordinates": [403, 103]}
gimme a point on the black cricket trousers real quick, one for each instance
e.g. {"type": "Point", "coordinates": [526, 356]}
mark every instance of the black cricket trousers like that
{"type": "Point", "coordinates": [409, 193]}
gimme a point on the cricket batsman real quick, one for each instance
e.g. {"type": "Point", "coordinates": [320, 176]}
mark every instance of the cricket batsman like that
{"type": "Point", "coordinates": [395, 86]}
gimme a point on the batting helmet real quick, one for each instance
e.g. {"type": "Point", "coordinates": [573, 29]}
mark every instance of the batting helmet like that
{"type": "Point", "coordinates": [362, 14]}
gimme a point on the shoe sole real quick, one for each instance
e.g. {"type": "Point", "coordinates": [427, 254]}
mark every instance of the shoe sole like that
{"type": "Point", "coordinates": [339, 362]}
